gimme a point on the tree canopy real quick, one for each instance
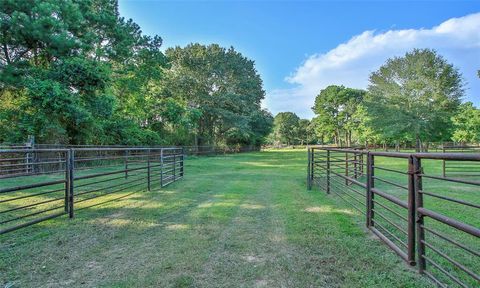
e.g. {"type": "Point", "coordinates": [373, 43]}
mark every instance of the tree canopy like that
{"type": "Point", "coordinates": [414, 97]}
{"type": "Point", "coordinates": [289, 129]}
{"type": "Point", "coordinates": [467, 124]}
{"type": "Point", "coordinates": [74, 71]}
{"type": "Point", "coordinates": [410, 99]}
{"type": "Point", "coordinates": [336, 108]}
{"type": "Point", "coordinates": [224, 87]}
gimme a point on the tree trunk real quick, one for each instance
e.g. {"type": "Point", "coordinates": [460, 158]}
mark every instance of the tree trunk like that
{"type": "Point", "coordinates": [417, 143]}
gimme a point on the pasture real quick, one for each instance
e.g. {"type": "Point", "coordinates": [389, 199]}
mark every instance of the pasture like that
{"type": "Point", "coordinates": [243, 220]}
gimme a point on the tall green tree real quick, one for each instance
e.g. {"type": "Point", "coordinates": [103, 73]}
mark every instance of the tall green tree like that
{"type": "Point", "coordinates": [223, 85]}
{"type": "Point", "coordinates": [466, 124]}
{"type": "Point", "coordinates": [414, 97]}
{"type": "Point", "coordinates": [58, 61]}
{"type": "Point", "coordinates": [303, 131]}
{"type": "Point", "coordinates": [285, 127]}
{"type": "Point", "coordinates": [335, 108]}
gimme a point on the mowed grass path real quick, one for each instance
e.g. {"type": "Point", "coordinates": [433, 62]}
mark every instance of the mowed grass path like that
{"type": "Point", "coordinates": [242, 220]}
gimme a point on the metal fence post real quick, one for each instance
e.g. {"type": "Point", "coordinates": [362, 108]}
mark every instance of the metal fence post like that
{"type": "Point", "coordinates": [355, 165]}
{"type": "Point", "coordinates": [419, 221]}
{"type": "Point", "coordinates": [444, 172]}
{"type": "Point", "coordinates": [370, 185]}
{"type": "Point", "coordinates": [148, 169]}
{"type": "Point", "coordinates": [346, 169]}
{"type": "Point", "coordinates": [67, 179]}
{"type": "Point", "coordinates": [174, 167]}
{"type": "Point", "coordinates": [411, 210]}
{"type": "Point", "coordinates": [126, 164]}
{"type": "Point", "coordinates": [71, 170]}
{"type": "Point", "coordinates": [309, 179]}
{"type": "Point", "coordinates": [361, 164]}
{"type": "Point", "coordinates": [312, 166]}
{"type": "Point", "coordinates": [182, 162]}
{"type": "Point", "coordinates": [328, 171]}
{"type": "Point", "coordinates": [161, 168]}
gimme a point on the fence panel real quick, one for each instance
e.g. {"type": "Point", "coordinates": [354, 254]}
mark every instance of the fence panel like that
{"type": "Point", "coordinates": [457, 168]}
{"type": "Point", "coordinates": [448, 211]}
{"type": "Point", "coordinates": [391, 197]}
{"type": "Point", "coordinates": [430, 219]}
{"type": "Point", "coordinates": [32, 191]}
{"type": "Point", "coordinates": [56, 182]}
{"type": "Point", "coordinates": [172, 166]}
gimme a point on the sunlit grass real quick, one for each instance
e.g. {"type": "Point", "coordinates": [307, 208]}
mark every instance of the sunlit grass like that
{"type": "Point", "coordinates": [227, 224]}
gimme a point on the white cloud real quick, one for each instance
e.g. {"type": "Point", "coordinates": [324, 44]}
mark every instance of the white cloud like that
{"type": "Point", "coordinates": [350, 63]}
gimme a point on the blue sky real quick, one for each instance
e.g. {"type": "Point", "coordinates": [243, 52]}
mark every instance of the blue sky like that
{"type": "Point", "coordinates": [300, 47]}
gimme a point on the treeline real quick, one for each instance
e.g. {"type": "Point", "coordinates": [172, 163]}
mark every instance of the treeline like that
{"type": "Point", "coordinates": [289, 129]}
{"type": "Point", "coordinates": [411, 100]}
{"type": "Point", "coordinates": [75, 72]}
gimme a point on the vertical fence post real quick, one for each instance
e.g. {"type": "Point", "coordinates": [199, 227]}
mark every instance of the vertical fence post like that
{"type": "Point", "coordinates": [312, 166]}
{"type": "Point", "coordinates": [361, 165]}
{"type": "Point", "coordinates": [148, 170]}
{"type": "Point", "coordinates": [355, 165]}
{"type": "Point", "coordinates": [346, 169]}
{"type": "Point", "coordinates": [161, 168]}
{"type": "Point", "coordinates": [309, 179]}
{"type": "Point", "coordinates": [71, 169]}
{"type": "Point", "coordinates": [66, 158]}
{"type": "Point", "coordinates": [182, 163]}
{"type": "Point", "coordinates": [126, 163]}
{"type": "Point", "coordinates": [30, 145]}
{"type": "Point", "coordinates": [174, 166]}
{"type": "Point", "coordinates": [444, 173]}
{"type": "Point", "coordinates": [328, 171]}
{"type": "Point", "coordinates": [411, 211]}
{"type": "Point", "coordinates": [419, 221]}
{"type": "Point", "coordinates": [370, 184]}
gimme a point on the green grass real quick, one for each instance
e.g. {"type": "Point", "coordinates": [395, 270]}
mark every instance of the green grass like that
{"type": "Point", "coordinates": [242, 220]}
{"type": "Point", "coordinates": [466, 214]}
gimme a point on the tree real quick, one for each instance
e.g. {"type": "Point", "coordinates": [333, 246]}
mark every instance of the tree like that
{"type": "Point", "coordinates": [364, 131]}
{"type": "Point", "coordinates": [414, 97]}
{"type": "Point", "coordinates": [303, 131]}
{"type": "Point", "coordinates": [223, 85]}
{"type": "Point", "coordinates": [75, 72]}
{"type": "Point", "coordinates": [466, 124]}
{"type": "Point", "coordinates": [58, 60]}
{"type": "Point", "coordinates": [285, 127]}
{"type": "Point", "coordinates": [335, 107]}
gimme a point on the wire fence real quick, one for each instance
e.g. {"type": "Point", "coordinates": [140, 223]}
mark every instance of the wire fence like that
{"type": "Point", "coordinates": [430, 220]}
{"type": "Point", "coordinates": [41, 184]}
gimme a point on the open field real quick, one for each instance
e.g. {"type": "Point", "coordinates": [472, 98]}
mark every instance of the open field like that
{"type": "Point", "coordinates": [242, 220]}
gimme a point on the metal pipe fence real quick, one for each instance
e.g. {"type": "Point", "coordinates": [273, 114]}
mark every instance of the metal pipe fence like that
{"type": "Point", "coordinates": [454, 168]}
{"type": "Point", "coordinates": [430, 220]}
{"type": "Point", "coordinates": [62, 181]}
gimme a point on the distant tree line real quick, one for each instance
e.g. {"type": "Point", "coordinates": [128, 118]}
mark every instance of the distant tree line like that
{"type": "Point", "coordinates": [411, 100]}
{"type": "Point", "coordinates": [75, 72]}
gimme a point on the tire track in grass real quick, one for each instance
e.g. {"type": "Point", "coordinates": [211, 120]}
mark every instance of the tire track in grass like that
{"type": "Point", "coordinates": [253, 250]}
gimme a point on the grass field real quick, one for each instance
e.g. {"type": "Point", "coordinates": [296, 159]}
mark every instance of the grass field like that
{"type": "Point", "coordinates": [242, 220]}
{"type": "Point", "coordinates": [387, 215]}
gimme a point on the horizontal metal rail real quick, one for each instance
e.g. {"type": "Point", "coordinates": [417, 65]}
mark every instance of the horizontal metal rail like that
{"type": "Point", "coordinates": [85, 173]}
{"type": "Point", "coordinates": [327, 165]}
